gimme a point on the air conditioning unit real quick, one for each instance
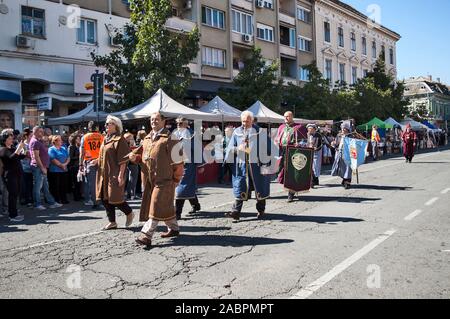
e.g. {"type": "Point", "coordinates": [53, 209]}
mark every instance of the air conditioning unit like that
{"type": "Point", "coordinates": [113, 42]}
{"type": "Point", "coordinates": [246, 38]}
{"type": "Point", "coordinates": [23, 42]}
{"type": "Point", "coordinates": [259, 3]}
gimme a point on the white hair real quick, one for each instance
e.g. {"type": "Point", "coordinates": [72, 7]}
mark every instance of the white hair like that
{"type": "Point", "coordinates": [246, 114]}
{"type": "Point", "coordinates": [117, 122]}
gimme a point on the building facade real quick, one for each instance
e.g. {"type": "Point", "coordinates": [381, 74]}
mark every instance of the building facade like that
{"type": "Point", "coordinates": [434, 95]}
{"type": "Point", "coordinates": [348, 43]}
{"type": "Point", "coordinates": [45, 61]}
{"type": "Point", "coordinates": [283, 29]}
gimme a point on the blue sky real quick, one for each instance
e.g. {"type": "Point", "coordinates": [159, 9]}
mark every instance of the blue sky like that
{"type": "Point", "coordinates": [424, 48]}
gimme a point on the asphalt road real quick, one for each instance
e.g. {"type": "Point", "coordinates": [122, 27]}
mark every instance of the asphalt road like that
{"type": "Point", "coordinates": [387, 237]}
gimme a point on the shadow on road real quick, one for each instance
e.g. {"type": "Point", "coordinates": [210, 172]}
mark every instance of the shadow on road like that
{"type": "Point", "coordinates": [245, 217]}
{"type": "Point", "coordinates": [330, 220]}
{"type": "Point", "coordinates": [224, 241]}
{"type": "Point", "coordinates": [381, 187]}
{"type": "Point", "coordinates": [341, 199]}
{"type": "Point", "coordinates": [51, 218]}
{"type": "Point", "coordinates": [188, 229]}
{"type": "Point", "coordinates": [413, 162]}
{"type": "Point", "coordinates": [10, 229]}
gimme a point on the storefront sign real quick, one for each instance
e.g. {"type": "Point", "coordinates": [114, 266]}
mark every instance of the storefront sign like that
{"type": "Point", "coordinates": [44, 104]}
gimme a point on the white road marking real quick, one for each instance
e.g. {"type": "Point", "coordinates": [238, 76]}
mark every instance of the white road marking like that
{"type": "Point", "coordinates": [413, 214]}
{"type": "Point", "coordinates": [445, 191]}
{"type": "Point", "coordinates": [55, 241]}
{"type": "Point", "coordinates": [316, 285]}
{"type": "Point", "coordinates": [431, 201]}
{"type": "Point", "coordinates": [445, 251]}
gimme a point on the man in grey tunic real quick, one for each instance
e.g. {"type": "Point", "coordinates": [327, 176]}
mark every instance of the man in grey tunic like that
{"type": "Point", "coordinates": [315, 142]}
{"type": "Point", "coordinates": [340, 168]}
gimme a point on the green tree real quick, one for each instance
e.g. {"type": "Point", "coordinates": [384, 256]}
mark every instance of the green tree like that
{"type": "Point", "coordinates": [128, 78]}
{"type": "Point", "coordinates": [379, 95]}
{"type": "Point", "coordinates": [162, 54]}
{"type": "Point", "coordinates": [257, 81]}
{"type": "Point", "coordinates": [313, 100]}
{"type": "Point", "coordinates": [419, 112]}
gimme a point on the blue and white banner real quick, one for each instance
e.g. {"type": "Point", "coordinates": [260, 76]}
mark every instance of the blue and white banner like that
{"type": "Point", "coordinates": [354, 152]}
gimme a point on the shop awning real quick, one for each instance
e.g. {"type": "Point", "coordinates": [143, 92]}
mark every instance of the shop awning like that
{"type": "Point", "coordinates": [8, 96]}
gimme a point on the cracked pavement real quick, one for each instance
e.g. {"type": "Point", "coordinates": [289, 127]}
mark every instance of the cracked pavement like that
{"type": "Point", "coordinates": [62, 254]}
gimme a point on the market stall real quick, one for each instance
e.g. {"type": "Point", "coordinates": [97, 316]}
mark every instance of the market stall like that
{"type": "Point", "coordinates": [85, 115]}
{"type": "Point", "coordinates": [264, 114]}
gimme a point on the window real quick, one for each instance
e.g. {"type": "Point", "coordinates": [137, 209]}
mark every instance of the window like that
{"type": "Point", "coordinates": [268, 4]}
{"type": "Point", "coordinates": [364, 46]}
{"type": "Point", "coordinates": [33, 21]}
{"type": "Point", "coordinates": [303, 74]}
{"type": "Point", "coordinates": [341, 36]}
{"type": "Point", "coordinates": [374, 49]}
{"type": "Point", "coordinates": [213, 18]}
{"type": "Point", "coordinates": [304, 44]}
{"type": "Point", "coordinates": [342, 72]}
{"type": "Point", "coordinates": [391, 56]}
{"type": "Point", "coordinates": [327, 30]}
{"type": "Point", "coordinates": [304, 15]}
{"type": "Point", "coordinates": [213, 57]}
{"type": "Point", "coordinates": [87, 31]}
{"type": "Point", "coordinates": [264, 32]}
{"type": "Point", "coordinates": [353, 41]}
{"type": "Point", "coordinates": [365, 72]}
{"type": "Point", "coordinates": [287, 36]}
{"type": "Point", "coordinates": [292, 38]}
{"type": "Point", "coordinates": [242, 22]}
{"type": "Point", "coordinates": [354, 74]}
{"type": "Point", "coordinates": [383, 53]}
{"type": "Point", "coordinates": [328, 70]}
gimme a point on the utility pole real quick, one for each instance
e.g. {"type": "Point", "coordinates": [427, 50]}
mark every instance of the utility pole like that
{"type": "Point", "coordinates": [99, 81]}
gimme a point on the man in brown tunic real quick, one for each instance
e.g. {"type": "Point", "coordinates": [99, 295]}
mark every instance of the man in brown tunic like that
{"type": "Point", "coordinates": [163, 169]}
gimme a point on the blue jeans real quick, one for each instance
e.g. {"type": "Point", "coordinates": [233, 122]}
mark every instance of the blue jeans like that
{"type": "Point", "coordinates": [89, 183]}
{"type": "Point", "coordinates": [40, 182]}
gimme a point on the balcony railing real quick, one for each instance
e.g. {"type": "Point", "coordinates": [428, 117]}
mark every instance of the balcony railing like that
{"type": "Point", "coordinates": [286, 50]}
{"type": "Point", "coordinates": [180, 25]}
{"type": "Point", "coordinates": [287, 18]}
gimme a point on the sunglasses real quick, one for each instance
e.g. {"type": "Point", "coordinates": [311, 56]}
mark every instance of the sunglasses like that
{"type": "Point", "coordinates": [110, 123]}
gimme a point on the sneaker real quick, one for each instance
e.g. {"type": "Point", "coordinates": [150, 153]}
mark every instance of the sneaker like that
{"type": "Point", "coordinates": [40, 207]}
{"type": "Point", "coordinates": [55, 205]}
{"type": "Point", "coordinates": [18, 218]}
{"type": "Point", "coordinates": [89, 203]}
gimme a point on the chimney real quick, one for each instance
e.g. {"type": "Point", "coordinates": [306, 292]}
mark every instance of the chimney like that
{"type": "Point", "coordinates": [439, 80]}
{"type": "Point", "coordinates": [430, 77]}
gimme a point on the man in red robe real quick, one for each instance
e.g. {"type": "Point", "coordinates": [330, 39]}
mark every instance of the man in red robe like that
{"type": "Point", "coordinates": [409, 139]}
{"type": "Point", "coordinates": [289, 133]}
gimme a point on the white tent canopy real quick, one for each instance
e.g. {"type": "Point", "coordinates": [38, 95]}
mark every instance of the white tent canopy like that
{"type": "Point", "coordinates": [417, 126]}
{"type": "Point", "coordinates": [393, 122]}
{"type": "Point", "coordinates": [223, 109]}
{"type": "Point", "coordinates": [317, 122]}
{"type": "Point", "coordinates": [85, 115]}
{"type": "Point", "coordinates": [161, 102]}
{"type": "Point", "coordinates": [264, 114]}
